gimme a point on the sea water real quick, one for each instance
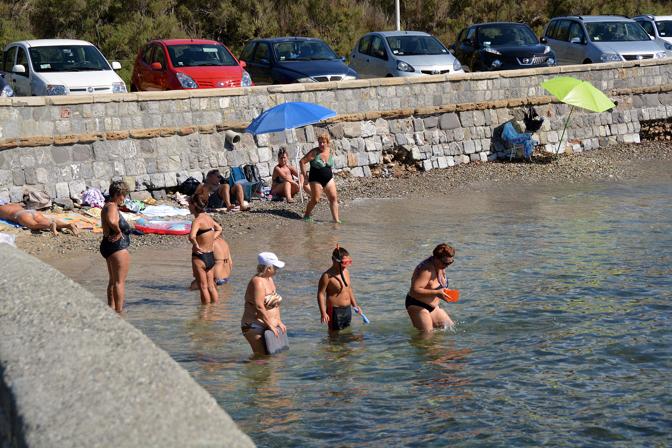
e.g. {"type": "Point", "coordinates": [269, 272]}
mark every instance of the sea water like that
{"type": "Point", "coordinates": [562, 332]}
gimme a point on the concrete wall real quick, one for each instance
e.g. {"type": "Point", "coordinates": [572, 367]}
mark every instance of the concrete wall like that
{"type": "Point", "coordinates": [155, 140]}
{"type": "Point", "coordinates": [75, 374]}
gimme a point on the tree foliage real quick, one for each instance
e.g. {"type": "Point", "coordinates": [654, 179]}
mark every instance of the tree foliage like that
{"type": "Point", "coordinates": [120, 27]}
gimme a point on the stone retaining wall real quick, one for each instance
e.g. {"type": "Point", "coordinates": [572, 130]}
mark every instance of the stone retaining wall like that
{"type": "Point", "coordinates": [157, 139]}
{"type": "Point", "coordinates": [76, 374]}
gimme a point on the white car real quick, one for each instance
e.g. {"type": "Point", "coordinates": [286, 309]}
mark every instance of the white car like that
{"type": "Point", "coordinates": [59, 67]}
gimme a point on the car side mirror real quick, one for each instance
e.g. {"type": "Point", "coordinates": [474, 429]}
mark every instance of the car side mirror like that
{"type": "Point", "coordinates": [652, 37]}
{"type": "Point", "coordinates": [342, 58]}
{"type": "Point", "coordinates": [18, 68]}
{"type": "Point", "coordinates": [116, 65]}
{"type": "Point", "coordinates": [543, 40]}
{"type": "Point", "coordinates": [243, 64]}
{"type": "Point", "coordinates": [156, 66]}
{"type": "Point", "coordinates": [575, 40]}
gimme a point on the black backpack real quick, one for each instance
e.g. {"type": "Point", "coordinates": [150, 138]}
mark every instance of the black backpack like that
{"type": "Point", "coordinates": [189, 186]}
{"type": "Point", "coordinates": [252, 173]}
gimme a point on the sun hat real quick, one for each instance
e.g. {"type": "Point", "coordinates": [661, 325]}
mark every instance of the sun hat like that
{"type": "Point", "coordinates": [270, 259]}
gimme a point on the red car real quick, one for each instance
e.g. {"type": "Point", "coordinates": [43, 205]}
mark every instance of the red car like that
{"type": "Point", "coordinates": [173, 64]}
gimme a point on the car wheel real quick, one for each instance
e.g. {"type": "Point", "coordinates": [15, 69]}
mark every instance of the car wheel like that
{"type": "Point", "coordinates": [587, 61]}
{"type": "Point", "coordinates": [133, 88]}
{"type": "Point", "coordinates": [389, 75]}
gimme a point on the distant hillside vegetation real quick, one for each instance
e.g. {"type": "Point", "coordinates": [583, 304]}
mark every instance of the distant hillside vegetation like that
{"type": "Point", "coordinates": [120, 27]}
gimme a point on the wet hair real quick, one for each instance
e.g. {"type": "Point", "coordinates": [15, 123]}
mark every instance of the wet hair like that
{"type": "Point", "coordinates": [118, 187]}
{"type": "Point", "coordinates": [324, 137]}
{"type": "Point", "coordinates": [200, 198]}
{"type": "Point", "coordinates": [339, 253]}
{"type": "Point", "coordinates": [282, 152]}
{"type": "Point", "coordinates": [443, 250]}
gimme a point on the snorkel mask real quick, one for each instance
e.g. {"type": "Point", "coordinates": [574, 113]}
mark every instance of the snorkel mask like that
{"type": "Point", "coordinates": [343, 261]}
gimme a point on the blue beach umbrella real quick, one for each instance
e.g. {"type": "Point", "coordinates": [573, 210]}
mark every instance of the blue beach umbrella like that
{"type": "Point", "coordinates": [289, 115]}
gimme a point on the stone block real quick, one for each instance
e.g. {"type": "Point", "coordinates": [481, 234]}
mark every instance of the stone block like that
{"type": "Point", "coordinates": [15, 194]}
{"type": "Point", "coordinates": [427, 165]}
{"type": "Point", "coordinates": [18, 177]}
{"type": "Point", "coordinates": [265, 154]}
{"type": "Point", "coordinates": [382, 127]}
{"type": "Point", "coordinates": [357, 172]}
{"type": "Point", "coordinates": [159, 195]}
{"type": "Point", "coordinates": [370, 144]}
{"type": "Point", "coordinates": [442, 162]}
{"type": "Point", "coordinates": [140, 195]}
{"type": "Point", "coordinates": [479, 118]}
{"type": "Point", "coordinates": [62, 190]}
{"type": "Point", "coordinates": [483, 156]}
{"type": "Point", "coordinates": [352, 129]}
{"type": "Point", "coordinates": [450, 161]}
{"type": "Point", "coordinates": [262, 139]}
{"type": "Point", "coordinates": [469, 147]}
{"type": "Point", "coordinates": [474, 157]}
{"type": "Point", "coordinates": [77, 187]}
{"type": "Point", "coordinates": [64, 202]}
{"type": "Point", "coordinates": [6, 177]}
{"type": "Point", "coordinates": [449, 121]}
{"type": "Point", "coordinates": [368, 129]}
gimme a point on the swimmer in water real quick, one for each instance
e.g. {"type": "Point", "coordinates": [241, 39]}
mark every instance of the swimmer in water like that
{"type": "Point", "coordinates": [204, 232]}
{"type": "Point", "coordinates": [223, 264]}
{"type": "Point", "coordinates": [427, 285]}
{"type": "Point", "coordinates": [335, 296]}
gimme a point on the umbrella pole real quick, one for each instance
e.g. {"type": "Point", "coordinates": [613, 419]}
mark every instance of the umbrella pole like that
{"type": "Point", "coordinates": [564, 129]}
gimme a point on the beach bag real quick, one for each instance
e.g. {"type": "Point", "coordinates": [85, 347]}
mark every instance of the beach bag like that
{"type": "Point", "coordinates": [189, 186]}
{"type": "Point", "coordinates": [252, 173]}
{"type": "Point", "coordinates": [532, 120]}
{"type": "Point", "coordinates": [93, 197]}
{"type": "Point", "coordinates": [36, 199]}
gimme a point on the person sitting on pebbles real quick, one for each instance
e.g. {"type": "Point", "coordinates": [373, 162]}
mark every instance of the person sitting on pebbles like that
{"type": "Point", "coordinates": [284, 185]}
{"type": "Point", "coordinates": [34, 220]}
{"type": "Point", "coordinates": [221, 192]}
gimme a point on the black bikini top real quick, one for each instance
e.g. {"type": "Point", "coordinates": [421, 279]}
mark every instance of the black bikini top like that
{"type": "Point", "coordinates": [202, 231]}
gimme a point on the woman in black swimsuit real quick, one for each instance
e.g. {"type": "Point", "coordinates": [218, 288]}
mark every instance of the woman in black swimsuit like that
{"type": "Point", "coordinates": [114, 246]}
{"type": "Point", "coordinates": [204, 231]}
{"type": "Point", "coordinates": [427, 285]}
{"type": "Point", "coordinates": [321, 177]}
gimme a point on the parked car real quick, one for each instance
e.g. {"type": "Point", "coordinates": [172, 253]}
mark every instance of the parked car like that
{"type": "Point", "coordinates": [589, 39]}
{"type": "Point", "coordinates": [401, 53]}
{"type": "Point", "coordinates": [501, 46]}
{"type": "Point", "coordinates": [658, 27]}
{"type": "Point", "coordinates": [59, 67]}
{"type": "Point", "coordinates": [174, 64]}
{"type": "Point", "coordinates": [5, 89]}
{"type": "Point", "coordinates": [285, 60]}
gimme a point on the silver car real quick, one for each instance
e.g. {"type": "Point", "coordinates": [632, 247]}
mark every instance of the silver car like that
{"type": "Point", "coordinates": [658, 27]}
{"type": "Point", "coordinates": [401, 53]}
{"type": "Point", "coordinates": [588, 39]}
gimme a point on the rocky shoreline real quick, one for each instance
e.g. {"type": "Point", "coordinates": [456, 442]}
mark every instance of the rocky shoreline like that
{"type": "Point", "coordinates": [618, 163]}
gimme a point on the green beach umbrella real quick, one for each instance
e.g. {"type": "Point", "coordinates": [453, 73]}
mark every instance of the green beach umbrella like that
{"type": "Point", "coordinates": [576, 92]}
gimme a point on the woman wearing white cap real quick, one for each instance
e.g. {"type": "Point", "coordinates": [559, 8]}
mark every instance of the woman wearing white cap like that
{"type": "Point", "coordinates": [262, 303]}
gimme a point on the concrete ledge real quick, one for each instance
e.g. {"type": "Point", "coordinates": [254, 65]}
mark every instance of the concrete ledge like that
{"type": "Point", "coordinates": [75, 374]}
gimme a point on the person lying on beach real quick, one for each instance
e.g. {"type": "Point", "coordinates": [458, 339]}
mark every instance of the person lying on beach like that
{"type": "Point", "coordinates": [34, 220]}
{"type": "Point", "coordinates": [284, 185]}
{"type": "Point", "coordinates": [427, 285]}
{"type": "Point", "coordinates": [222, 195]}
{"type": "Point", "coordinates": [223, 264]}
{"type": "Point", "coordinates": [335, 296]}
{"type": "Point", "coordinates": [262, 304]}
{"type": "Point", "coordinates": [204, 232]}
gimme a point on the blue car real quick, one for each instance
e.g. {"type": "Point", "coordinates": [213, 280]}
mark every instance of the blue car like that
{"type": "Point", "coordinates": [286, 60]}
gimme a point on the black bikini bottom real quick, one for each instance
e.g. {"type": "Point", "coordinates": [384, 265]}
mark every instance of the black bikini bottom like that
{"type": "Point", "coordinates": [108, 247]}
{"type": "Point", "coordinates": [207, 257]}
{"type": "Point", "coordinates": [415, 302]}
{"type": "Point", "coordinates": [320, 175]}
{"type": "Point", "coordinates": [339, 317]}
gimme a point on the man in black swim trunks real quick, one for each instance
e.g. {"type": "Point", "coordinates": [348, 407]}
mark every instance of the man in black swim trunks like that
{"type": "Point", "coordinates": [221, 192]}
{"type": "Point", "coordinates": [335, 296]}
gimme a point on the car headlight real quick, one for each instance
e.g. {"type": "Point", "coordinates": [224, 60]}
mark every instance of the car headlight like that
{"type": "Point", "coordinates": [660, 55]}
{"type": "Point", "coordinates": [246, 80]}
{"type": "Point", "coordinates": [457, 66]}
{"type": "Point", "coordinates": [306, 79]}
{"type": "Point", "coordinates": [185, 81]}
{"type": "Point", "coordinates": [404, 66]}
{"type": "Point", "coordinates": [119, 87]}
{"type": "Point", "coordinates": [610, 57]}
{"type": "Point", "coordinates": [348, 78]}
{"type": "Point", "coordinates": [551, 61]}
{"type": "Point", "coordinates": [56, 89]}
{"type": "Point", "coordinates": [491, 50]}
{"type": "Point", "coordinates": [496, 63]}
{"type": "Point", "coordinates": [6, 91]}
{"type": "Point", "coordinates": [547, 49]}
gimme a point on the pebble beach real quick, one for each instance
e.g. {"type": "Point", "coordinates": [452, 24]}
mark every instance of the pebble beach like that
{"type": "Point", "coordinates": [618, 163]}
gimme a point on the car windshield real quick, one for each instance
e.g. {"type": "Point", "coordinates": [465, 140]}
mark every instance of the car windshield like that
{"type": "Point", "coordinates": [200, 55]}
{"type": "Point", "coordinates": [303, 50]}
{"type": "Point", "coordinates": [67, 58]}
{"type": "Point", "coordinates": [616, 32]}
{"type": "Point", "coordinates": [500, 35]}
{"type": "Point", "coordinates": [664, 28]}
{"type": "Point", "coordinates": [415, 45]}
